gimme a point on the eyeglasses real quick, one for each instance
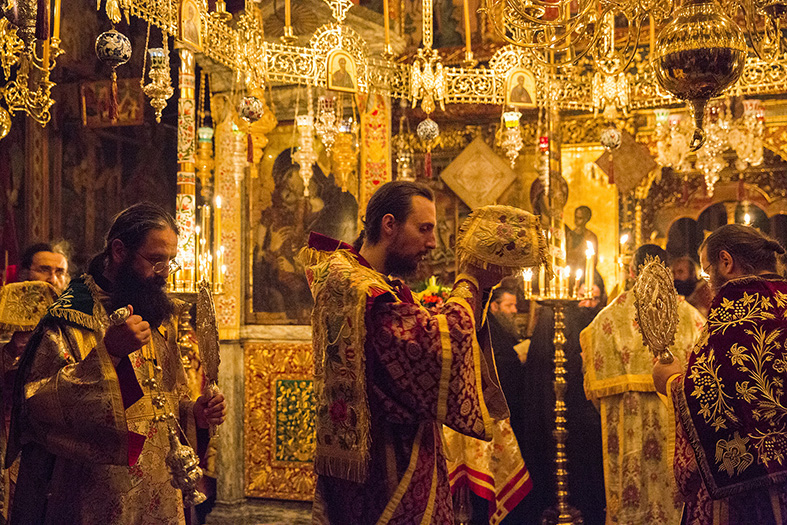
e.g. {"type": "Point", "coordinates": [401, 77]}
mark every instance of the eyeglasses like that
{"type": "Point", "coordinates": [160, 267]}
{"type": "Point", "coordinates": [704, 273]}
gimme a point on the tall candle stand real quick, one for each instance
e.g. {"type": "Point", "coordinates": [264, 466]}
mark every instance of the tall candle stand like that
{"type": "Point", "coordinates": [558, 296]}
{"type": "Point", "coordinates": [562, 512]}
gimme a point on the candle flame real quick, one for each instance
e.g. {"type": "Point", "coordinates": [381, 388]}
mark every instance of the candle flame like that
{"type": "Point", "coordinates": [590, 251]}
{"type": "Point", "coordinates": [218, 201]}
{"type": "Point", "coordinates": [747, 219]}
{"type": "Point", "coordinates": [624, 238]}
{"type": "Point", "coordinates": [197, 230]}
{"type": "Point", "coordinates": [527, 274]}
{"type": "Point", "coordinates": [579, 275]}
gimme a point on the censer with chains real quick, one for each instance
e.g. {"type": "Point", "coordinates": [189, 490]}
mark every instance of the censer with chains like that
{"type": "Point", "coordinates": [182, 462]}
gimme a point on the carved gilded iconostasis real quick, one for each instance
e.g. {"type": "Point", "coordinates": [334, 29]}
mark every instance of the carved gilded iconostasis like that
{"type": "Point", "coordinates": [276, 179]}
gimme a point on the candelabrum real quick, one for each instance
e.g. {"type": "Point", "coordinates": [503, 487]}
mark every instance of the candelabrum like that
{"type": "Point", "coordinates": [562, 512]}
{"type": "Point", "coordinates": [31, 90]}
{"type": "Point", "coordinates": [557, 293]}
{"type": "Point", "coordinates": [722, 132]}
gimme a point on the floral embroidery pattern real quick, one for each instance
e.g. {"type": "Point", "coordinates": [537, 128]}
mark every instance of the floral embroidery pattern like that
{"type": "Point", "coordinates": [734, 388]}
{"type": "Point", "coordinates": [748, 309]}
{"type": "Point", "coordinates": [709, 391]}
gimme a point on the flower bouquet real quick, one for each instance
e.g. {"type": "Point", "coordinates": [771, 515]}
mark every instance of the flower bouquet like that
{"type": "Point", "coordinates": [433, 296]}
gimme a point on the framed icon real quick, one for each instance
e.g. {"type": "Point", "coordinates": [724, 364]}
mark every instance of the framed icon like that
{"type": "Point", "coordinates": [341, 71]}
{"type": "Point", "coordinates": [521, 88]}
{"type": "Point", "coordinates": [96, 97]}
{"type": "Point", "coordinates": [190, 24]}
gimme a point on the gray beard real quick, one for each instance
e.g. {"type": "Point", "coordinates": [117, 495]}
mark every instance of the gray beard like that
{"type": "Point", "coordinates": [508, 322]}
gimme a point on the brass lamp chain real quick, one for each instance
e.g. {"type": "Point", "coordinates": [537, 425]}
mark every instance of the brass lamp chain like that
{"type": "Point", "coordinates": [145, 57]}
{"type": "Point", "coordinates": [203, 80]}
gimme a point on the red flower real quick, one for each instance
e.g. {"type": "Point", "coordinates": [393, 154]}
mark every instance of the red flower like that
{"type": "Point", "coordinates": [338, 411]}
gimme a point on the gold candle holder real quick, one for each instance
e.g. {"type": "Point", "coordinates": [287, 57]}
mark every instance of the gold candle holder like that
{"type": "Point", "coordinates": [562, 512]}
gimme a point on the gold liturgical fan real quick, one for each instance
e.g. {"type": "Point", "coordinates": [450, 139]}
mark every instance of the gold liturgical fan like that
{"type": "Point", "coordinates": [657, 309]}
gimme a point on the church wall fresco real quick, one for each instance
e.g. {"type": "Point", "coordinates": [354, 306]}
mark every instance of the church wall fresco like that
{"type": "Point", "coordinates": [588, 186]}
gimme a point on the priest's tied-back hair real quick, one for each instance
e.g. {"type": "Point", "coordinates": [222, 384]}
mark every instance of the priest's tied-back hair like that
{"type": "Point", "coordinates": [751, 249]}
{"type": "Point", "coordinates": [131, 226]}
{"type": "Point", "coordinates": [395, 198]}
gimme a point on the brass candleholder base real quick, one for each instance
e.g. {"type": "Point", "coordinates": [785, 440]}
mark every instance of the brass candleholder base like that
{"type": "Point", "coordinates": [469, 62]}
{"type": "Point", "coordinates": [562, 512]}
{"type": "Point", "coordinates": [288, 37]}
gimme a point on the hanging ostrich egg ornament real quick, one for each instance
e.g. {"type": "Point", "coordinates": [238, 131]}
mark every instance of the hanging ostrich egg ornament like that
{"type": "Point", "coordinates": [251, 109]}
{"type": "Point", "coordinates": [611, 138]}
{"type": "Point", "coordinates": [113, 48]}
{"type": "Point", "coordinates": [428, 130]}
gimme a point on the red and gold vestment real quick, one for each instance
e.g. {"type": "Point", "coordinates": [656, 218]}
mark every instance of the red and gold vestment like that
{"type": "Point", "coordinates": [388, 375]}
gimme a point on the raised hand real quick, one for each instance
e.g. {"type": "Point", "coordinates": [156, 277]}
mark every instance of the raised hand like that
{"type": "Point", "coordinates": [127, 336]}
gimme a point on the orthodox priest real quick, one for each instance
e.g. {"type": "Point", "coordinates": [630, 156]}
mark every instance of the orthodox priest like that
{"type": "Point", "coordinates": [388, 374]}
{"type": "Point", "coordinates": [730, 406]}
{"type": "Point", "coordinates": [100, 385]}
{"type": "Point", "coordinates": [634, 421]}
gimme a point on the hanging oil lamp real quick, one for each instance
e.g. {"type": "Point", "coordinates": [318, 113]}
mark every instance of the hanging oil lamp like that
{"type": "Point", "coordinates": [698, 55]}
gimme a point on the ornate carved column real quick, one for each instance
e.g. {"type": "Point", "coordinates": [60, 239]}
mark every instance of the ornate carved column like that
{"type": "Point", "coordinates": [186, 203]}
{"type": "Point", "coordinates": [230, 170]}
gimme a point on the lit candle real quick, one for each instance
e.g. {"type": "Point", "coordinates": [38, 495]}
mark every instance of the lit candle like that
{"type": "Point", "coordinates": [197, 247]}
{"type": "Point", "coordinates": [564, 281]}
{"type": "Point", "coordinates": [217, 236]}
{"type": "Point", "coordinates": [467, 26]}
{"type": "Point", "coordinates": [541, 281]}
{"type": "Point", "coordinates": [589, 274]}
{"type": "Point", "coordinates": [386, 23]}
{"type": "Point", "coordinates": [747, 219]}
{"type": "Point", "coordinates": [222, 268]}
{"type": "Point", "coordinates": [577, 280]}
{"type": "Point", "coordinates": [527, 281]}
{"type": "Point", "coordinates": [56, 26]}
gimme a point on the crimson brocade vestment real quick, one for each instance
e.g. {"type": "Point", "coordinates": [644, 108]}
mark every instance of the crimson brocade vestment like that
{"type": "Point", "coordinates": [388, 375]}
{"type": "Point", "coordinates": [731, 439]}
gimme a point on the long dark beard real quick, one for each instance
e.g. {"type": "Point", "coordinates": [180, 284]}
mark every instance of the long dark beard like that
{"type": "Point", "coordinates": [146, 296]}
